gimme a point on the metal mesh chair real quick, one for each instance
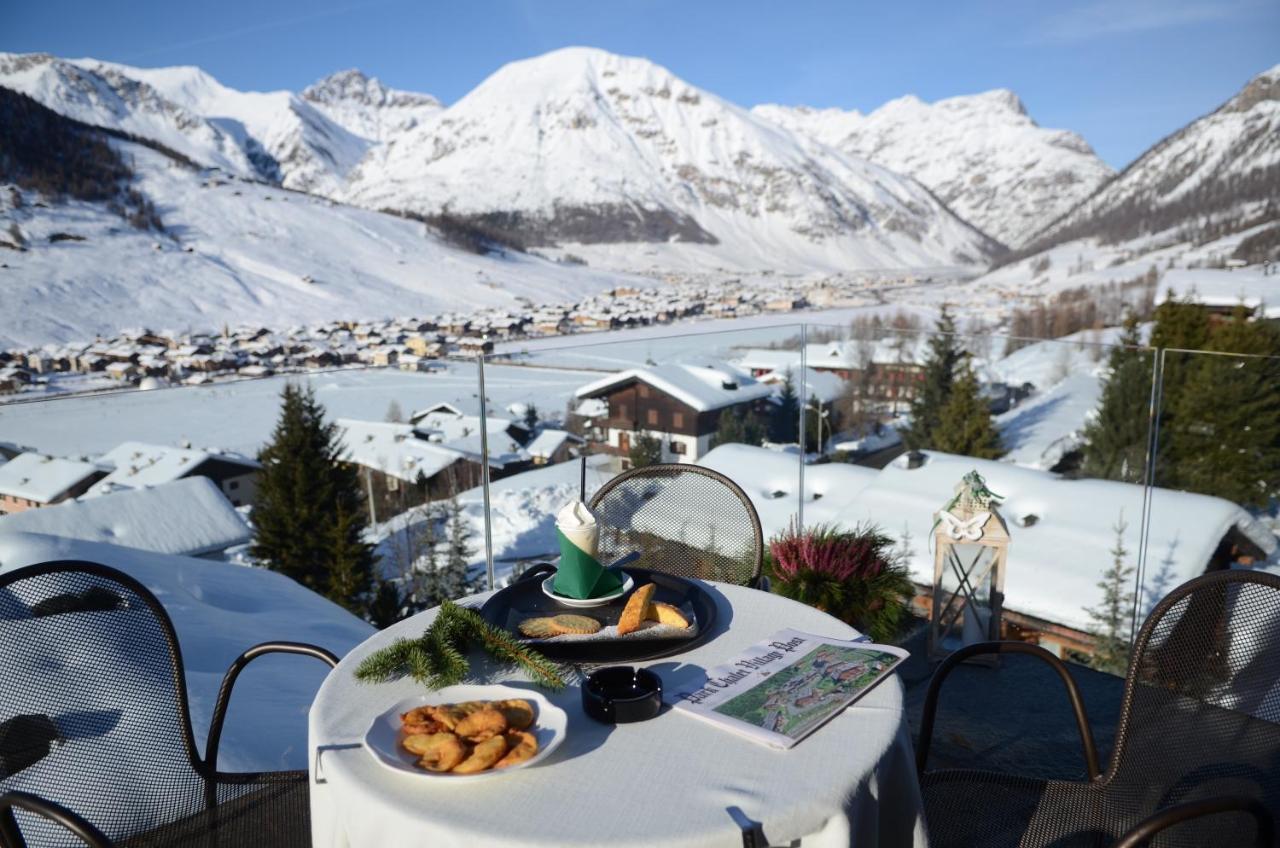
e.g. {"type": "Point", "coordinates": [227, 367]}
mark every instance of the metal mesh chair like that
{"type": "Point", "coordinates": [685, 520]}
{"type": "Point", "coordinates": [120, 766]}
{"type": "Point", "coordinates": [1196, 760]}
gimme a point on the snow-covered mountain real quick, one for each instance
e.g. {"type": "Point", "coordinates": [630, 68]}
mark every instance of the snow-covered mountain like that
{"type": "Point", "coordinates": [584, 149]}
{"type": "Point", "coordinates": [1218, 174]}
{"type": "Point", "coordinates": [981, 154]}
{"type": "Point", "coordinates": [231, 250]}
{"type": "Point", "coordinates": [364, 106]}
{"type": "Point", "coordinates": [109, 98]}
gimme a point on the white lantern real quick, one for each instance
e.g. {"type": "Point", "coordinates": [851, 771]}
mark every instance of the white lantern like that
{"type": "Point", "coordinates": [971, 547]}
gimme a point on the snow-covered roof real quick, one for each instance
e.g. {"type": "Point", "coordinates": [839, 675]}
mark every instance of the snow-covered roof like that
{"type": "Point", "coordinates": [1215, 287]}
{"type": "Point", "coordinates": [444, 422]}
{"type": "Point", "coordinates": [394, 449]}
{"type": "Point", "coordinates": [548, 442]}
{"type": "Point", "coordinates": [702, 385]}
{"type": "Point", "coordinates": [822, 385]}
{"type": "Point", "coordinates": [187, 517]}
{"type": "Point", "coordinates": [218, 610]}
{"type": "Point", "coordinates": [592, 408]}
{"type": "Point", "coordinates": [138, 464]}
{"type": "Point", "coordinates": [1056, 558]}
{"type": "Point", "coordinates": [40, 478]}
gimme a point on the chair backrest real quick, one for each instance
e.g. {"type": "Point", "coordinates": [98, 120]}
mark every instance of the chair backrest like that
{"type": "Point", "coordinates": [1201, 711]}
{"type": "Point", "coordinates": [685, 520]}
{"type": "Point", "coordinates": [88, 654]}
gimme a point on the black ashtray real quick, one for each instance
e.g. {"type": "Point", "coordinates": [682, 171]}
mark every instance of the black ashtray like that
{"type": "Point", "coordinates": [620, 694]}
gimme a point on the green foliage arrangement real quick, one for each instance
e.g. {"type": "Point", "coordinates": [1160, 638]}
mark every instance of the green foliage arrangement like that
{"type": "Point", "coordinates": [645, 450]}
{"type": "Point", "coordinates": [853, 575]}
{"type": "Point", "coordinates": [438, 657]}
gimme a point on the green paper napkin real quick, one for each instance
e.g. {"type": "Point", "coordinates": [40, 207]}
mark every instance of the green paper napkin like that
{"type": "Point", "coordinates": [580, 575]}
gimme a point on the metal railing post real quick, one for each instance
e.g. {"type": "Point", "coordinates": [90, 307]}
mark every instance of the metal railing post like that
{"type": "Point", "coordinates": [804, 366]}
{"type": "Point", "coordinates": [1148, 483]}
{"type": "Point", "coordinates": [484, 475]}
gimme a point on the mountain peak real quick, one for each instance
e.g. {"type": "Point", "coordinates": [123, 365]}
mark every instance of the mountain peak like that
{"type": "Point", "coordinates": [355, 86]}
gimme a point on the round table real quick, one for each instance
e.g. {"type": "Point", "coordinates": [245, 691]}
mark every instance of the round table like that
{"type": "Point", "coordinates": [673, 781]}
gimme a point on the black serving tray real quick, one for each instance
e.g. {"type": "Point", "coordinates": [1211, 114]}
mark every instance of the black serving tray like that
{"type": "Point", "coordinates": [525, 598]}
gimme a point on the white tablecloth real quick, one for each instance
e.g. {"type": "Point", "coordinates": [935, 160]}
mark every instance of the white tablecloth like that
{"type": "Point", "coordinates": [671, 781]}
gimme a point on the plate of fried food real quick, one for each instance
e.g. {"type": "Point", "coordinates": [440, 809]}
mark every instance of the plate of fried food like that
{"type": "Point", "coordinates": [466, 733]}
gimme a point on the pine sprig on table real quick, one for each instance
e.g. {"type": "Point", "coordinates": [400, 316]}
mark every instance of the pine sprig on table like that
{"type": "Point", "coordinates": [437, 658]}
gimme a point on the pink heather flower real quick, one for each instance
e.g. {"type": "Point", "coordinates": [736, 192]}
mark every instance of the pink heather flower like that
{"type": "Point", "coordinates": [838, 554]}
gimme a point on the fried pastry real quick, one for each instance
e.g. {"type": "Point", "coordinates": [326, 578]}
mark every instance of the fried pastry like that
{"type": "Point", "coordinates": [521, 746]}
{"type": "Point", "coordinates": [481, 725]}
{"type": "Point", "coordinates": [666, 614]}
{"type": "Point", "coordinates": [483, 756]}
{"type": "Point", "coordinates": [437, 751]}
{"type": "Point", "coordinates": [420, 721]}
{"type": "Point", "coordinates": [637, 609]}
{"type": "Point", "coordinates": [518, 712]}
{"type": "Point", "coordinates": [576, 624]}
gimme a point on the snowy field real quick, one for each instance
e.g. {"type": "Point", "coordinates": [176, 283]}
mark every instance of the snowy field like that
{"type": "Point", "coordinates": [239, 416]}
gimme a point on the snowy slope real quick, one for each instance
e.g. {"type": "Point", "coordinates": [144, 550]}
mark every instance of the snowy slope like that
{"type": "Point", "coordinates": [238, 252]}
{"type": "Point", "coordinates": [364, 106]}
{"type": "Point", "coordinates": [1223, 167]}
{"type": "Point", "coordinates": [982, 154]}
{"type": "Point", "coordinates": [108, 98]}
{"type": "Point", "coordinates": [580, 147]}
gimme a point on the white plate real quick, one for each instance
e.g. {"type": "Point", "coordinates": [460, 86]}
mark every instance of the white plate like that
{"type": "Point", "coordinates": [548, 589]}
{"type": "Point", "coordinates": [382, 740]}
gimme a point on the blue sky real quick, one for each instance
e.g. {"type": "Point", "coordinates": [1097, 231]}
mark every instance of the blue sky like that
{"type": "Point", "coordinates": [1123, 73]}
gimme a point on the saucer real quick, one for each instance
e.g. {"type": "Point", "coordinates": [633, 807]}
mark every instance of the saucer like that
{"type": "Point", "coordinates": [548, 589]}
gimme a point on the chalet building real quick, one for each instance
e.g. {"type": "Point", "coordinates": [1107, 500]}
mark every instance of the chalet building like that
{"type": "Point", "coordinates": [427, 346]}
{"type": "Point", "coordinates": [137, 465]}
{"type": "Point", "coordinates": [678, 404]}
{"type": "Point", "coordinates": [401, 468]}
{"type": "Point", "coordinates": [32, 480]}
{"type": "Point", "coordinates": [889, 371]}
{"type": "Point", "coordinates": [472, 346]}
{"type": "Point", "coordinates": [552, 446]}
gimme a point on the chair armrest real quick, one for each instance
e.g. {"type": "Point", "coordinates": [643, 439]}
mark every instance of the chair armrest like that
{"type": "Point", "coordinates": [10, 837]}
{"type": "Point", "coordinates": [229, 681]}
{"type": "Point", "coordinates": [1170, 816]}
{"type": "Point", "coordinates": [950, 663]}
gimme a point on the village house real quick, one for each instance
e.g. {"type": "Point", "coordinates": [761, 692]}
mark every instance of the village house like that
{"type": "Point", "coordinates": [473, 346]}
{"type": "Point", "coordinates": [552, 446]}
{"type": "Point", "coordinates": [401, 468]}
{"type": "Point", "coordinates": [32, 480]}
{"type": "Point", "coordinates": [136, 465]}
{"type": "Point", "coordinates": [678, 404]}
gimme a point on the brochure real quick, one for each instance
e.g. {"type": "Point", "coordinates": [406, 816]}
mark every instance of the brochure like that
{"type": "Point", "coordinates": [779, 691]}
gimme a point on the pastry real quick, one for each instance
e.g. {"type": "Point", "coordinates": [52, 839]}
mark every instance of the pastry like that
{"type": "Point", "coordinates": [538, 628]}
{"type": "Point", "coordinates": [637, 609]}
{"type": "Point", "coordinates": [667, 614]}
{"type": "Point", "coordinates": [438, 751]}
{"type": "Point", "coordinates": [483, 756]}
{"type": "Point", "coordinates": [521, 746]}
{"type": "Point", "coordinates": [481, 725]}
{"type": "Point", "coordinates": [517, 711]}
{"type": "Point", "coordinates": [576, 624]}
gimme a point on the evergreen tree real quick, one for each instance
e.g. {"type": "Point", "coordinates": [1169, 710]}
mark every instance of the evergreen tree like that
{"type": "Point", "coordinates": [934, 391]}
{"type": "Point", "coordinates": [1223, 436]}
{"type": "Point", "coordinates": [447, 577]}
{"type": "Point", "coordinates": [964, 423]}
{"type": "Point", "coordinates": [1116, 440]}
{"type": "Point", "coordinates": [1111, 647]}
{"type": "Point", "coordinates": [394, 414]}
{"type": "Point", "coordinates": [308, 514]}
{"type": "Point", "coordinates": [531, 417]}
{"type": "Point", "coordinates": [645, 450]}
{"type": "Point", "coordinates": [753, 430]}
{"type": "Point", "coordinates": [786, 413]}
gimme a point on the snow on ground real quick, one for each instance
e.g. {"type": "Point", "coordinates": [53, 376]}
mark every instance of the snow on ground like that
{"type": "Point", "coordinates": [218, 610]}
{"type": "Point", "coordinates": [239, 416]}
{"type": "Point", "coordinates": [187, 517]}
{"type": "Point", "coordinates": [1040, 430]}
{"type": "Point", "coordinates": [239, 252]}
{"type": "Point", "coordinates": [1062, 530]}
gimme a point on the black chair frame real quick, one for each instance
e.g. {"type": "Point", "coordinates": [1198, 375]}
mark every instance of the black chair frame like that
{"type": "Point", "coordinates": [205, 766]}
{"type": "Point", "coordinates": [1162, 819]}
{"type": "Point", "coordinates": [757, 580]}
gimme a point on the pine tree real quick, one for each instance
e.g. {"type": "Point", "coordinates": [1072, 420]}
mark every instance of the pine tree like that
{"type": "Point", "coordinates": [964, 423]}
{"type": "Point", "coordinates": [1116, 440]}
{"type": "Point", "coordinates": [645, 450]}
{"type": "Point", "coordinates": [531, 417]}
{"type": "Point", "coordinates": [730, 429]}
{"type": "Point", "coordinates": [1111, 648]}
{"type": "Point", "coordinates": [1223, 436]}
{"type": "Point", "coordinates": [308, 514]}
{"type": "Point", "coordinates": [934, 391]}
{"type": "Point", "coordinates": [394, 414]}
{"type": "Point", "coordinates": [451, 579]}
{"type": "Point", "coordinates": [783, 420]}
